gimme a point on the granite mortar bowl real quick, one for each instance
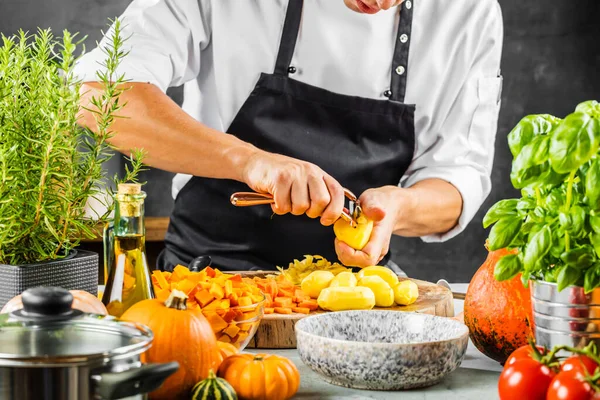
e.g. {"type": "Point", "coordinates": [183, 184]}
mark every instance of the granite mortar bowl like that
{"type": "Point", "coordinates": [381, 350]}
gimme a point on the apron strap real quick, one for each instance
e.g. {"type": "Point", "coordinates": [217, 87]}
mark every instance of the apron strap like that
{"type": "Point", "coordinates": [400, 59]}
{"type": "Point", "coordinates": [291, 26]}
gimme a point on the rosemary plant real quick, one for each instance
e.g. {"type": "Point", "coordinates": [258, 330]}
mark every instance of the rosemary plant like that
{"type": "Point", "coordinates": [50, 166]}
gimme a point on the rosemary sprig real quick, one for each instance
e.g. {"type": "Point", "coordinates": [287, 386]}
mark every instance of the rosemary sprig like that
{"type": "Point", "coordinates": [50, 166]}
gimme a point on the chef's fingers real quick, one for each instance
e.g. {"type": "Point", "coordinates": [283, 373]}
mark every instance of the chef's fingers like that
{"type": "Point", "coordinates": [336, 204]}
{"type": "Point", "coordinates": [379, 244]}
{"type": "Point", "coordinates": [319, 196]}
{"type": "Point", "coordinates": [354, 258]}
{"type": "Point", "coordinates": [386, 4]}
{"type": "Point", "coordinates": [282, 193]}
{"type": "Point", "coordinates": [300, 198]}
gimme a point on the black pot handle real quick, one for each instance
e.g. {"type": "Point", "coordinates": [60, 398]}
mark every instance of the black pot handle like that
{"type": "Point", "coordinates": [134, 381]}
{"type": "Point", "coordinates": [199, 263]}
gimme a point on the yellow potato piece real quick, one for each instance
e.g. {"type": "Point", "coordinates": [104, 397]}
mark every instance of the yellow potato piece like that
{"type": "Point", "coordinates": [356, 237]}
{"type": "Point", "coordinates": [384, 295]}
{"type": "Point", "coordinates": [383, 272]}
{"type": "Point", "coordinates": [315, 282]}
{"type": "Point", "coordinates": [344, 279]}
{"type": "Point", "coordinates": [406, 293]}
{"type": "Point", "coordinates": [346, 298]}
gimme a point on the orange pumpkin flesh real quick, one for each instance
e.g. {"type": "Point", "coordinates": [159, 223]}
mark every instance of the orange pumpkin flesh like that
{"type": "Point", "coordinates": [498, 314]}
{"type": "Point", "coordinates": [261, 376]}
{"type": "Point", "coordinates": [82, 300]}
{"type": "Point", "coordinates": [180, 334]}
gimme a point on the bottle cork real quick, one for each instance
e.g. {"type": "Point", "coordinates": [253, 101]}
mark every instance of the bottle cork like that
{"type": "Point", "coordinates": [129, 206]}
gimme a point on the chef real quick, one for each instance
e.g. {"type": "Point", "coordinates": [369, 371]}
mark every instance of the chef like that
{"type": "Point", "coordinates": [395, 100]}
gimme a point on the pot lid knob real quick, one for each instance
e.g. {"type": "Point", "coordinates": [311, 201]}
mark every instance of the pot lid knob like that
{"type": "Point", "coordinates": [46, 302]}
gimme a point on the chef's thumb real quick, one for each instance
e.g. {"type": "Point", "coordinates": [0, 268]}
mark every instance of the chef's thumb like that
{"type": "Point", "coordinates": [373, 210]}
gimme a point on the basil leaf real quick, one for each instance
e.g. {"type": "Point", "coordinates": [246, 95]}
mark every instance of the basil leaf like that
{"type": "Point", "coordinates": [592, 184]}
{"type": "Point", "coordinates": [595, 241]}
{"type": "Point", "coordinates": [507, 267]}
{"type": "Point", "coordinates": [573, 142]}
{"type": "Point", "coordinates": [537, 247]}
{"type": "Point", "coordinates": [503, 208]}
{"type": "Point", "coordinates": [595, 222]}
{"type": "Point", "coordinates": [580, 257]}
{"type": "Point", "coordinates": [531, 165]}
{"type": "Point", "coordinates": [530, 126]}
{"type": "Point", "coordinates": [554, 200]}
{"type": "Point", "coordinates": [538, 215]}
{"type": "Point", "coordinates": [567, 276]}
{"type": "Point", "coordinates": [551, 275]}
{"type": "Point", "coordinates": [526, 204]}
{"type": "Point", "coordinates": [558, 241]}
{"type": "Point", "coordinates": [592, 279]}
{"type": "Point", "coordinates": [591, 107]}
{"type": "Point", "coordinates": [577, 215]}
{"type": "Point", "coordinates": [504, 232]}
{"type": "Point", "coordinates": [528, 227]}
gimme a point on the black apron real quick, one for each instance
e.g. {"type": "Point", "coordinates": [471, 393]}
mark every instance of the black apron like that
{"type": "Point", "coordinates": [363, 143]}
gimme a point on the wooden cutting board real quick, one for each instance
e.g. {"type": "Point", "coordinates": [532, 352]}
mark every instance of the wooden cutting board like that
{"type": "Point", "coordinates": [276, 331]}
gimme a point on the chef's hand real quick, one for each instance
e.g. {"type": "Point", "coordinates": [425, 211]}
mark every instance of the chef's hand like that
{"type": "Point", "coordinates": [297, 186]}
{"type": "Point", "coordinates": [382, 206]}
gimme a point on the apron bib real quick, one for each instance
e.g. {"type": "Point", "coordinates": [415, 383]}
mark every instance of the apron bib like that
{"type": "Point", "coordinates": [363, 143]}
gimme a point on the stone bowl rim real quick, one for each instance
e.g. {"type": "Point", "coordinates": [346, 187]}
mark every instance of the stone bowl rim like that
{"type": "Point", "coordinates": [303, 321]}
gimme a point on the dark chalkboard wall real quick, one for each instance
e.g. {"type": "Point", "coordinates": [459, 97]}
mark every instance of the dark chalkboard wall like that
{"type": "Point", "coordinates": [551, 61]}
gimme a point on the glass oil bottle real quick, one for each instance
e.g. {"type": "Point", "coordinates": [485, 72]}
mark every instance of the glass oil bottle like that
{"type": "Point", "coordinates": [126, 267]}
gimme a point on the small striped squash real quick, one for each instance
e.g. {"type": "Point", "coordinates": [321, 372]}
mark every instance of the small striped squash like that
{"type": "Point", "coordinates": [213, 388]}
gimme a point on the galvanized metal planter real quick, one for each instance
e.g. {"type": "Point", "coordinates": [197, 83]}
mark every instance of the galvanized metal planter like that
{"type": "Point", "coordinates": [78, 271]}
{"type": "Point", "coordinates": [570, 317]}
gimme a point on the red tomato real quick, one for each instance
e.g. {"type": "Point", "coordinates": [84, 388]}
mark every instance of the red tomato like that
{"type": "Point", "coordinates": [522, 352]}
{"type": "Point", "coordinates": [567, 386]}
{"type": "Point", "coordinates": [524, 379]}
{"type": "Point", "coordinates": [579, 365]}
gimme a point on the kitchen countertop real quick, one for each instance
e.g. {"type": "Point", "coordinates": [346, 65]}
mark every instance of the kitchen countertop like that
{"type": "Point", "coordinates": [475, 379]}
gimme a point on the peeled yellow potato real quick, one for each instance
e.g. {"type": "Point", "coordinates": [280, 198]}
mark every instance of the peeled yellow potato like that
{"type": "Point", "coordinates": [406, 293]}
{"type": "Point", "coordinates": [344, 279]}
{"type": "Point", "coordinates": [346, 298]}
{"type": "Point", "coordinates": [384, 295]}
{"type": "Point", "coordinates": [383, 272]}
{"type": "Point", "coordinates": [356, 237]}
{"type": "Point", "coordinates": [315, 282]}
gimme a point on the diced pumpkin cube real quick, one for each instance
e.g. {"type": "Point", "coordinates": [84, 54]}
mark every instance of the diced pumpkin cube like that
{"type": "Point", "coordinates": [249, 315]}
{"type": "Point", "coordinates": [301, 310]}
{"type": "Point", "coordinates": [179, 273]}
{"type": "Point", "coordinates": [231, 330]}
{"type": "Point", "coordinates": [211, 273]}
{"type": "Point", "coordinates": [282, 302]}
{"type": "Point", "coordinates": [241, 337]}
{"type": "Point", "coordinates": [246, 326]}
{"type": "Point", "coordinates": [236, 284]}
{"type": "Point", "coordinates": [217, 291]}
{"type": "Point", "coordinates": [213, 305]}
{"type": "Point", "coordinates": [269, 310]}
{"type": "Point", "coordinates": [224, 338]}
{"type": "Point", "coordinates": [161, 281]}
{"type": "Point", "coordinates": [229, 315]}
{"type": "Point", "coordinates": [224, 304]}
{"type": "Point", "coordinates": [205, 285]}
{"type": "Point", "coordinates": [216, 322]}
{"type": "Point", "coordinates": [228, 288]}
{"type": "Point", "coordinates": [283, 310]}
{"type": "Point", "coordinates": [203, 297]}
{"type": "Point", "coordinates": [236, 278]}
{"type": "Point", "coordinates": [217, 272]}
{"type": "Point", "coordinates": [285, 293]}
{"type": "Point", "coordinates": [256, 298]}
{"type": "Point", "coordinates": [245, 301]}
{"type": "Point", "coordinates": [233, 300]}
{"type": "Point", "coordinates": [186, 286]}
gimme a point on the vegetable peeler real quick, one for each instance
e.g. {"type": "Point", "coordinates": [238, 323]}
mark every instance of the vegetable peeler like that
{"type": "Point", "coordinates": [245, 199]}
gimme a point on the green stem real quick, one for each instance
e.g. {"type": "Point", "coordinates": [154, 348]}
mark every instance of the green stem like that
{"type": "Point", "coordinates": [570, 182]}
{"type": "Point", "coordinates": [538, 197]}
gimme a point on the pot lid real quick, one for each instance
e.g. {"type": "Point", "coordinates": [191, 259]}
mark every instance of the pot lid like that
{"type": "Point", "coordinates": [48, 332]}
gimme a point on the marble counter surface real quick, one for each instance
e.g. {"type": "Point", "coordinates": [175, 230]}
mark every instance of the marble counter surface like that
{"type": "Point", "coordinates": [476, 378]}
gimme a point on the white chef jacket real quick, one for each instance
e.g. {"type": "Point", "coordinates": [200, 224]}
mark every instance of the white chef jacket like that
{"type": "Point", "coordinates": [218, 48]}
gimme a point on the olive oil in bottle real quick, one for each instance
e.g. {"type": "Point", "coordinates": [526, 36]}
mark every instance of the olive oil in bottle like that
{"type": "Point", "coordinates": [128, 273]}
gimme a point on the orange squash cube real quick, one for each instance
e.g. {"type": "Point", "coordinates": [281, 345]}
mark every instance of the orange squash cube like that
{"type": "Point", "coordinates": [216, 291]}
{"type": "Point", "coordinates": [216, 322]}
{"type": "Point", "coordinates": [203, 297]}
{"type": "Point", "coordinates": [244, 301]}
{"type": "Point", "coordinates": [231, 330]}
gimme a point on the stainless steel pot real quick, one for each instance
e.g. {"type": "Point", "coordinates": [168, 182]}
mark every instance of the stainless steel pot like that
{"type": "Point", "coordinates": [570, 317]}
{"type": "Point", "coordinates": [50, 351]}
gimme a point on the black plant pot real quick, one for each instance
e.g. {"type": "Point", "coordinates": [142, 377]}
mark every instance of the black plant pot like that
{"type": "Point", "coordinates": [77, 271]}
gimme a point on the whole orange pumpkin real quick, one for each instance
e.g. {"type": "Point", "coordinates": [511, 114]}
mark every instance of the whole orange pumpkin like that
{"type": "Point", "coordinates": [498, 314]}
{"type": "Point", "coordinates": [180, 334]}
{"type": "Point", "coordinates": [82, 300]}
{"type": "Point", "coordinates": [226, 350]}
{"type": "Point", "coordinates": [261, 376]}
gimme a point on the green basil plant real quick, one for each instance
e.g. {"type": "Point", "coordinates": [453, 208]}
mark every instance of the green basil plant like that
{"type": "Point", "coordinates": [555, 225]}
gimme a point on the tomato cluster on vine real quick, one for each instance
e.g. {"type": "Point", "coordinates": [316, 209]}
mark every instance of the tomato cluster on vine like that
{"type": "Point", "coordinates": [537, 373]}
